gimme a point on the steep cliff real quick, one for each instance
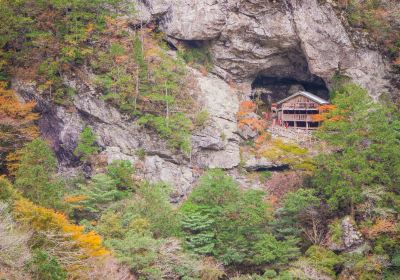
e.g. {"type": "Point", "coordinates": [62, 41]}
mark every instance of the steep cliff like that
{"type": "Point", "coordinates": [252, 43]}
{"type": "Point", "coordinates": [303, 40]}
{"type": "Point", "coordinates": [139, 139]}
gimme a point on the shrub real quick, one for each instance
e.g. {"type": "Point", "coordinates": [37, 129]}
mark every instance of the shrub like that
{"type": "Point", "coordinates": [121, 171]}
{"type": "Point", "coordinates": [197, 56]}
{"type": "Point", "coordinates": [6, 189]}
{"type": "Point", "coordinates": [265, 175]}
{"type": "Point", "coordinates": [176, 129]}
{"type": "Point", "coordinates": [45, 267]}
{"type": "Point", "coordinates": [86, 144]}
{"type": "Point", "coordinates": [336, 231]}
{"type": "Point", "coordinates": [323, 259]}
{"type": "Point", "coordinates": [201, 118]}
{"type": "Point", "coordinates": [142, 212]}
{"type": "Point", "coordinates": [139, 252]}
{"type": "Point", "coordinates": [270, 250]}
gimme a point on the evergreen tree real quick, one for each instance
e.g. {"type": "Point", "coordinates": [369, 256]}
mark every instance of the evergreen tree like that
{"type": "Point", "coordinates": [97, 194]}
{"type": "Point", "coordinates": [86, 144]}
{"type": "Point", "coordinates": [121, 171]}
{"type": "Point", "coordinates": [36, 175]}
{"type": "Point", "coordinates": [366, 154]}
{"type": "Point", "coordinates": [200, 238]}
{"type": "Point", "coordinates": [232, 225]}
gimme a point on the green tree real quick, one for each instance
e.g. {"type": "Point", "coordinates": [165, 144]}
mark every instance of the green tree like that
{"type": "Point", "coordinates": [150, 198]}
{"type": "Point", "coordinates": [139, 252]}
{"type": "Point", "coordinates": [97, 194]}
{"type": "Point", "coordinates": [289, 217]}
{"type": "Point", "coordinates": [200, 237]}
{"type": "Point", "coordinates": [230, 224]}
{"type": "Point", "coordinates": [270, 250]}
{"type": "Point", "coordinates": [45, 267]}
{"type": "Point", "coordinates": [62, 31]}
{"type": "Point", "coordinates": [36, 175]}
{"type": "Point", "coordinates": [121, 171]}
{"type": "Point", "coordinates": [366, 155]}
{"type": "Point", "coordinates": [86, 144]}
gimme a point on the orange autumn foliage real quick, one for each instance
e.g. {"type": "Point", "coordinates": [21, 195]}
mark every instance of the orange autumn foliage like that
{"type": "Point", "coordinates": [246, 107]}
{"type": "Point", "coordinates": [381, 226]}
{"type": "Point", "coordinates": [326, 108]}
{"type": "Point", "coordinates": [397, 61]}
{"type": "Point", "coordinates": [324, 111]}
{"type": "Point", "coordinates": [44, 219]}
{"type": "Point", "coordinates": [255, 124]}
{"type": "Point", "coordinates": [262, 139]}
{"type": "Point", "coordinates": [17, 121]}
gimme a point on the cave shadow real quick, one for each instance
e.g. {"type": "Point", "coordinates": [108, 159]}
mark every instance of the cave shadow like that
{"type": "Point", "coordinates": [273, 89]}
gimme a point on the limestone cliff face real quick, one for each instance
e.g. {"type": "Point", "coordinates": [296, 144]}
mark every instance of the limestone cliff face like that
{"type": "Point", "coordinates": [214, 146]}
{"type": "Point", "coordinates": [304, 40]}
{"type": "Point", "coordinates": [300, 40]}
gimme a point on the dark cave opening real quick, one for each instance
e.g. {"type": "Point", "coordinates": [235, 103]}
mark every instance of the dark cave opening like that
{"type": "Point", "coordinates": [272, 89]}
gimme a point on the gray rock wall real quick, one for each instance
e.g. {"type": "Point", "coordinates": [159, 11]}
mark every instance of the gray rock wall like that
{"type": "Point", "coordinates": [214, 146]}
{"type": "Point", "coordinates": [288, 38]}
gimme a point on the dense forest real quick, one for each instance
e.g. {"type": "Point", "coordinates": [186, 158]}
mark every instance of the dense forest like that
{"type": "Point", "coordinates": [340, 222]}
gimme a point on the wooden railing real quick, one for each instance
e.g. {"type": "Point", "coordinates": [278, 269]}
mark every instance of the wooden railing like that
{"type": "Point", "coordinates": [300, 106]}
{"type": "Point", "coordinates": [297, 117]}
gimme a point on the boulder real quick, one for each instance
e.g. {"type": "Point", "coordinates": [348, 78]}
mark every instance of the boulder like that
{"type": "Point", "coordinates": [246, 131]}
{"type": "Point", "coordinates": [195, 19]}
{"type": "Point", "coordinates": [351, 236]}
{"type": "Point", "coordinates": [179, 177]}
{"type": "Point", "coordinates": [259, 163]}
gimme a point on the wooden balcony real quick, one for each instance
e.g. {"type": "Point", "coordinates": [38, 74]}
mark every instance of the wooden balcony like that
{"type": "Point", "coordinates": [299, 106]}
{"type": "Point", "coordinates": [297, 117]}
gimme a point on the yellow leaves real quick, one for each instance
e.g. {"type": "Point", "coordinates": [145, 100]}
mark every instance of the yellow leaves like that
{"type": "Point", "coordinates": [140, 225]}
{"type": "Point", "coordinates": [44, 219]}
{"type": "Point", "coordinates": [151, 50]}
{"type": "Point", "coordinates": [12, 160]}
{"type": "Point", "coordinates": [89, 27]}
{"type": "Point", "coordinates": [92, 242]}
{"type": "Point", "coordinates": [116, 23]}
{"type": "Point", "coordinates": [16, 120]}
{"type": "Point", "coordinates": [75, 199]}
{"type": "Point", "coordinates": [287, 153]}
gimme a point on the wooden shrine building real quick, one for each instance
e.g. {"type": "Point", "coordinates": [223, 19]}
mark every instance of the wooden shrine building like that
{"type": "Point", "coordinates": [298, 109]}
